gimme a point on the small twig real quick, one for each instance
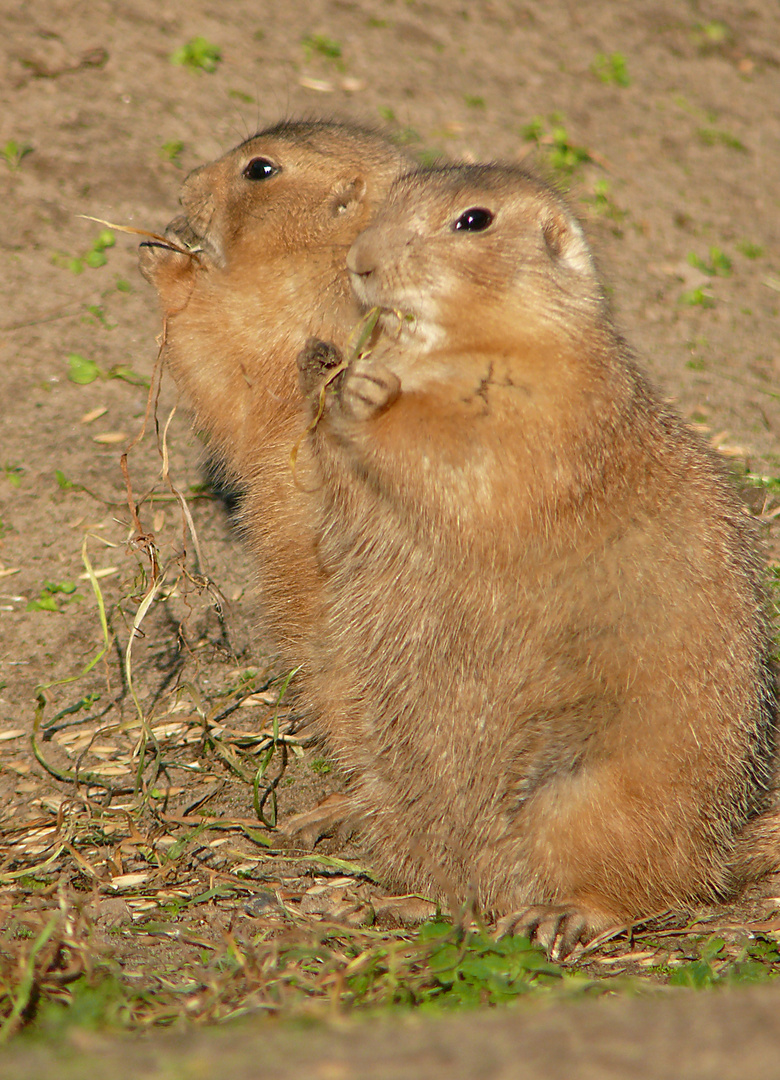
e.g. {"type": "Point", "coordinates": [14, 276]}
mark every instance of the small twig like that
{"type": "Point", "coordinates": [270, 790]}
{"type": "Point", "coordinates": [163, 241]}
{"type": "Point", "coordinates": [29, 871]}
{"type": "Point", "coordinates": [182, 501]}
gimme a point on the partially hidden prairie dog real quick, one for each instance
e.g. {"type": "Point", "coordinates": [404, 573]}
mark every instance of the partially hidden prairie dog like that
{"type": "Point", "coordinates": [268, 227]}
{"type": "Point", "coordinates": [544, 660]}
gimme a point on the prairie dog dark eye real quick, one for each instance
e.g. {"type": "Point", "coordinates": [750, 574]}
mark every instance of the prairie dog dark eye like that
{"type": "Point", "coordinates": [477, 219]}
{"type": "Point", "coordinates": [260, 168]}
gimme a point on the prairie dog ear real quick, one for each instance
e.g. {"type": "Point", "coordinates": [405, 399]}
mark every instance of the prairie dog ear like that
{"type": "Point", "coordinates": [347, 194]}
{"type": "Point", "coordinates": [565, 239]}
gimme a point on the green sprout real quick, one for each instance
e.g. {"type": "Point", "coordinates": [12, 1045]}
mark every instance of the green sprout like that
{"type": "Point", "coordinates": [324, 46]}
{"type": "Point", "coordinates": [54, 595]}
{"type": "Point", "coordinates": [712, 136]}
{"type": "Point", "coordinates": [697, 298]}
{"type": "Point", "coordinates": [198, 54]}
{"type": "Point", "coordinates": [13, 152]}
{"type": "Point", "coordinates": [63, 483]}
{"type": "Point", "coordinates": [611, 69]}
{"type": "Point", "coordinates": [718, 264]}
{"type": "Point", "coordinates": [82, 370]}
{"type": "Point", "coordinates": [563, 155]}
{"type": "Point", "coordinates": [94, 258]}
{"type": "Point", "coordinates": [712, 36]}
{"type": "Point", "coordinates": [13, 474]}
{"type": "Point", "coordinates": [171, 150]}
{"type": "Point", "coordinates": [750, 250]}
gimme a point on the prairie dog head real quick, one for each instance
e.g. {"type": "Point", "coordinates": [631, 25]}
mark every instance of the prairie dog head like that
{"type": "Point", "coordinates": [475, 252]}
{"type": "Point", "coordinates": [295, 187]}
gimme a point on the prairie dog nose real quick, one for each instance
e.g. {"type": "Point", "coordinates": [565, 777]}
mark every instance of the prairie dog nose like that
{"type": "Point", "coordinates": [361, 257]}
{"type": "Point", "coordinates": [376, 245]}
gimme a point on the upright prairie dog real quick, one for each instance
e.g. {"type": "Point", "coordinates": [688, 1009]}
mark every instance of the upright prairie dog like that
{"type": "Point", "coordinates": [544, 660]}
{"type": "Point", "coordinates": [266, 229]}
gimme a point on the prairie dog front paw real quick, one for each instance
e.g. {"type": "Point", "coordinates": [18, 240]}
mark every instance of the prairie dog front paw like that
{"type": "Point", "coordinates": [366, 388]}
{"type": "Point", "coordinates": [315, 360]}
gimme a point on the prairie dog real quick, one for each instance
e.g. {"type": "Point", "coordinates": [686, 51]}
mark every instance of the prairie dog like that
{"type": "Point", "coordinates": [544, 659]}
{"type": "Point", "coordinates": [269, 225]}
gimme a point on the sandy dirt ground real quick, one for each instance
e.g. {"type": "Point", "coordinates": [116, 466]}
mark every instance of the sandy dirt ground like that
{"type": "Point", "coordinates": [660, 116]}
{"type": "Point", "coordinates": [729, 1037]}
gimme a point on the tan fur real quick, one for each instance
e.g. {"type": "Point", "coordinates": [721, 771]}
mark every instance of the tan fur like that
{"type": "Point", "coordinates": [544, 655]}
{"type": "Point", "coordinates": [268, 270]}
